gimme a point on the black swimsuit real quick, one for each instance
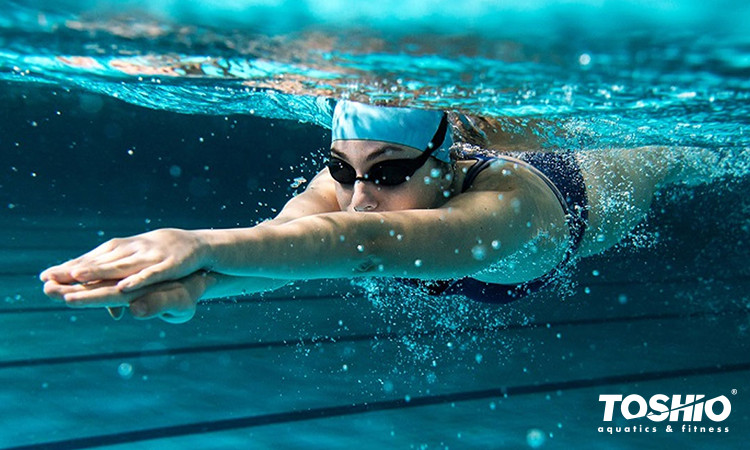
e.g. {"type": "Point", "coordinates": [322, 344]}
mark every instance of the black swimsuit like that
{"type": "Point", "coordinates": [563, 175]}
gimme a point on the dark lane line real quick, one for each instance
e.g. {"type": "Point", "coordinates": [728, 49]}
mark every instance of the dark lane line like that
{"type": "Point", "coordinates": [293, 342]}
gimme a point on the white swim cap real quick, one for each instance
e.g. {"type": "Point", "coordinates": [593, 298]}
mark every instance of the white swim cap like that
{"type": "Point", "coordinates": [403, 126]}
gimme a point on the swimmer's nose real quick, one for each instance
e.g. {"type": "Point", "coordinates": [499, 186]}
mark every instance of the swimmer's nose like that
{"type": "Point", "coordinates": [364, 197]}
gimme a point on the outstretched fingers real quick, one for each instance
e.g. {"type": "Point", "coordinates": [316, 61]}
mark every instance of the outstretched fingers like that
{"type": "Point", "coordinates": [86, 268]}
{"type": "Point", "coordinates": [92, 295]}
{"type": "Point", "coordinates": [116, 269]}
{"type": "Point", "coordinates": [146, 277]}
{"type": "Point", "coordinates": [72, 293]}
{"type": "Point", "coordinates": [60, 273]}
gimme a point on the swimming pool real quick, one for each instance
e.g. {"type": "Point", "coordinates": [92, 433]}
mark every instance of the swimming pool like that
{"type": "Point", "coordinates": [196, 115]}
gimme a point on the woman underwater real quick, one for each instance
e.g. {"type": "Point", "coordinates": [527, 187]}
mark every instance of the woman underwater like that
{"type": "Point", "coordinates": [393, 201]}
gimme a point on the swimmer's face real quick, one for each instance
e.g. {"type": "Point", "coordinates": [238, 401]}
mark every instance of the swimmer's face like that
{"type": "Point", "coordinates": [367, 196]}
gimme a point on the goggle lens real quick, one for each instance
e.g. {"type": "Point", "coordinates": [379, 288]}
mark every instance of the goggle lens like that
{"type": "Point", "coordinates": [387, 173]}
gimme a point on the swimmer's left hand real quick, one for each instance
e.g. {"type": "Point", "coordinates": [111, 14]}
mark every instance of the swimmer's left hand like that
{"type": "Point", "coordinates": [138, 261]}
{"type": "Point", "coordinates": [171, 301]}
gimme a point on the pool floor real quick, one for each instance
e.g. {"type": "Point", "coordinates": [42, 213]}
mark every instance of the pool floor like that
{"type": "Point", "coordinates": [313, 366]}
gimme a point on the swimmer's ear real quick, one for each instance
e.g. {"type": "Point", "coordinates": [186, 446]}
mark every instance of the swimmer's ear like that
{"type": "Point", "coordinates": [116, 312]}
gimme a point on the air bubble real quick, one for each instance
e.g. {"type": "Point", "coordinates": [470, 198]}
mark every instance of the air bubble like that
{"type": "Point", "coordinates": [175, 171]}
{"type": "Point", "coordinates": [535, 438]}
{"type": "Point", "coordinates": [125, 371]}
{"type": "Point", "coordinates": [478, 252]}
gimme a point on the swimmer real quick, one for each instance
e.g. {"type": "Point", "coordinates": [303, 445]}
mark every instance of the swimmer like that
{"type": "Point", "coordinates": [394, 200]}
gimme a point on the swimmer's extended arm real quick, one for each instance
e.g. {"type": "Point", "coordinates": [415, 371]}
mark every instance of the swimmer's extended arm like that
{"type": "Point", "coordinates": [412, 243]}
{"type": "Point", "coordinates": [452, 241]}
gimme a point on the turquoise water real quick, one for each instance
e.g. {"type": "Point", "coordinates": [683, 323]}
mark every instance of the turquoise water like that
{"type": "Point", "coordinates": [666, 73]}
{"type": "Point", "coordinates": [122, 117]}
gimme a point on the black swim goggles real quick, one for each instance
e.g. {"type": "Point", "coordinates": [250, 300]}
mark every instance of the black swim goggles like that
{"type": "Point", "coordinates": [390, 172]}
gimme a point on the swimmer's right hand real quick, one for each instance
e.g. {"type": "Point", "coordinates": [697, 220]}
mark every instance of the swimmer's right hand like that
{"type": "Point", "coordinates": [171, 301]}
{"type": "Point", "coordinates": [137, 262]}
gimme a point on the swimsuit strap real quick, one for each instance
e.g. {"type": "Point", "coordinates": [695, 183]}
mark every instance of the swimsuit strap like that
{"type": "Point", "coordinates": [482, 163]}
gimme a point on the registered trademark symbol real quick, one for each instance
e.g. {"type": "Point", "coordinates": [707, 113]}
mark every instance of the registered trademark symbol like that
{"type": "Point", "coordinates": [734, 391]}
